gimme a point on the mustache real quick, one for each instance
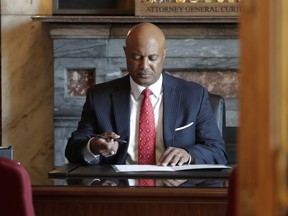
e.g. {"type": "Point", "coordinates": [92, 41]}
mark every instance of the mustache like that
{"type": "Point", "coordinates": [145, 72]}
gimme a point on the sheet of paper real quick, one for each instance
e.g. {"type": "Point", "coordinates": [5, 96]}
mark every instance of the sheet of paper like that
{"type": "Point", "coordinates": [141, 168]}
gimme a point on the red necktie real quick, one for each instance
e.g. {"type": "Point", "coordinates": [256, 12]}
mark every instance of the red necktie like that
{"type": "Point", "coordinates": [147, 132]}
{"type": "Point", "coordinates": [146, 136]}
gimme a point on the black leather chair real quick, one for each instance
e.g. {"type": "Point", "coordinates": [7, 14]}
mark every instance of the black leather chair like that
{"type": "Point", "coordinates": [218, 107]}
{"type": "Point", "coordinates": [229, 134]}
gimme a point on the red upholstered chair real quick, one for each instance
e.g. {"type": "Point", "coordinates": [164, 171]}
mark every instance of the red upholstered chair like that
{"type": "Point", "coordinates": [15, 190]}
{"type": "Point", "coordinates": [232, 194]}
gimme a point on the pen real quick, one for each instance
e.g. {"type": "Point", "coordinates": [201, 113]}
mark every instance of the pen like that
{"type": "Point", "coordinates": [109, 138]}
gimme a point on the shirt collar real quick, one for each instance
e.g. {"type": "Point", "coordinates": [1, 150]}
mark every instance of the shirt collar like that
{"type": "Point", "coordinates": [156, 88]}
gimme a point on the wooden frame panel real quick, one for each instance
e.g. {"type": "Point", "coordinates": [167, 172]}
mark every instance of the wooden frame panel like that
{"type": "Point", "coordinates": [88, 7]}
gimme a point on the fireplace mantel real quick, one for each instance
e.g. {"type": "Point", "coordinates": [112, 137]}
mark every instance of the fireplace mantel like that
{"type": "Point", "coordinates": [134, 19]}
{"type": "Point", "coordinates": [117, 26]}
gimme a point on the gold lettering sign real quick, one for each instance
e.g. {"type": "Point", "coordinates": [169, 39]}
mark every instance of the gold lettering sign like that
{"type": "Point", "coordinates": [186, 9]}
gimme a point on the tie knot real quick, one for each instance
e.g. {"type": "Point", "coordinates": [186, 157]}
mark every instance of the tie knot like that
{"type": "Point", "coordinates": [147, 92]}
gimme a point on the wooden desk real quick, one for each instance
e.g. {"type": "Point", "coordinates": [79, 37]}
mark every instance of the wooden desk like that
{"type": "Point", "coordinates": [106, 201]}
{"type": "Point", "coordinates": [80, 191]}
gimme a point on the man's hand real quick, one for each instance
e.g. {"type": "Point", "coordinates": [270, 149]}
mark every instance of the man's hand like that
{"type": "Point", "coordinates": [174, 156]}
{"type": "Point", "coordinates": [105, 146]}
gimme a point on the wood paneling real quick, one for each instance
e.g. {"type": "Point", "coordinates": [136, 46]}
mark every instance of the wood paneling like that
{"type": "Point", "coordinates": [86, 201]}
{"type": "Point", "coordinates": [280, 56]}
{"type": "Point", "coordinates": [263, 108]}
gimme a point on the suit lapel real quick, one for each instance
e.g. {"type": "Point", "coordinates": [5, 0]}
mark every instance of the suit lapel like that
{"type": "Point", "coordinates": [121, 108]}
{"type": "Point", "coordinates": [171, 104]}
{"type": "Point", "coordinates": [121, 112]}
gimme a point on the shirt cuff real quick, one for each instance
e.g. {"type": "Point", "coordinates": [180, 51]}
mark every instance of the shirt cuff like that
{"type": "Point", "coordinates": [87, 154]}
{"type": "Point", "coordinates": [190, 158]}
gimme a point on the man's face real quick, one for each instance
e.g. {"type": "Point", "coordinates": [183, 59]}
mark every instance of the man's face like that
{"type": "Point", "coordinates": [145, 61]}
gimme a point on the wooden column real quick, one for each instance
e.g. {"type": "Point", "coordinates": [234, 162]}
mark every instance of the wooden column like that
{"type": "Point", "coordinates": [281, 110]}
{"type": "Point", "coordinates": [263, 108]}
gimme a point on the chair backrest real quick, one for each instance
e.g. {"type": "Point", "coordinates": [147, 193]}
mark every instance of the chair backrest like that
{"type": "Point", "coordinates": [218, 108]}
{"type": "Point", "coordinates": [15, 189]}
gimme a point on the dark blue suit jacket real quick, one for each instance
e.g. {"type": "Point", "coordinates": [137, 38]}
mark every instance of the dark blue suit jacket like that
{"type": "Point", "coordinates": [107, 108]}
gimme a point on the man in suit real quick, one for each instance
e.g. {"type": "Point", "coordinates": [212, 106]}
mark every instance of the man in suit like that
{"type": "Point", "coordinates": [186, 131]}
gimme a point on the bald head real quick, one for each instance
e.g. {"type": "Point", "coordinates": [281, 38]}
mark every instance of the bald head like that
{"type": "Point", "coordinates": [145, 53]}
{"type": "Point", "coordinates": [145, 32]}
